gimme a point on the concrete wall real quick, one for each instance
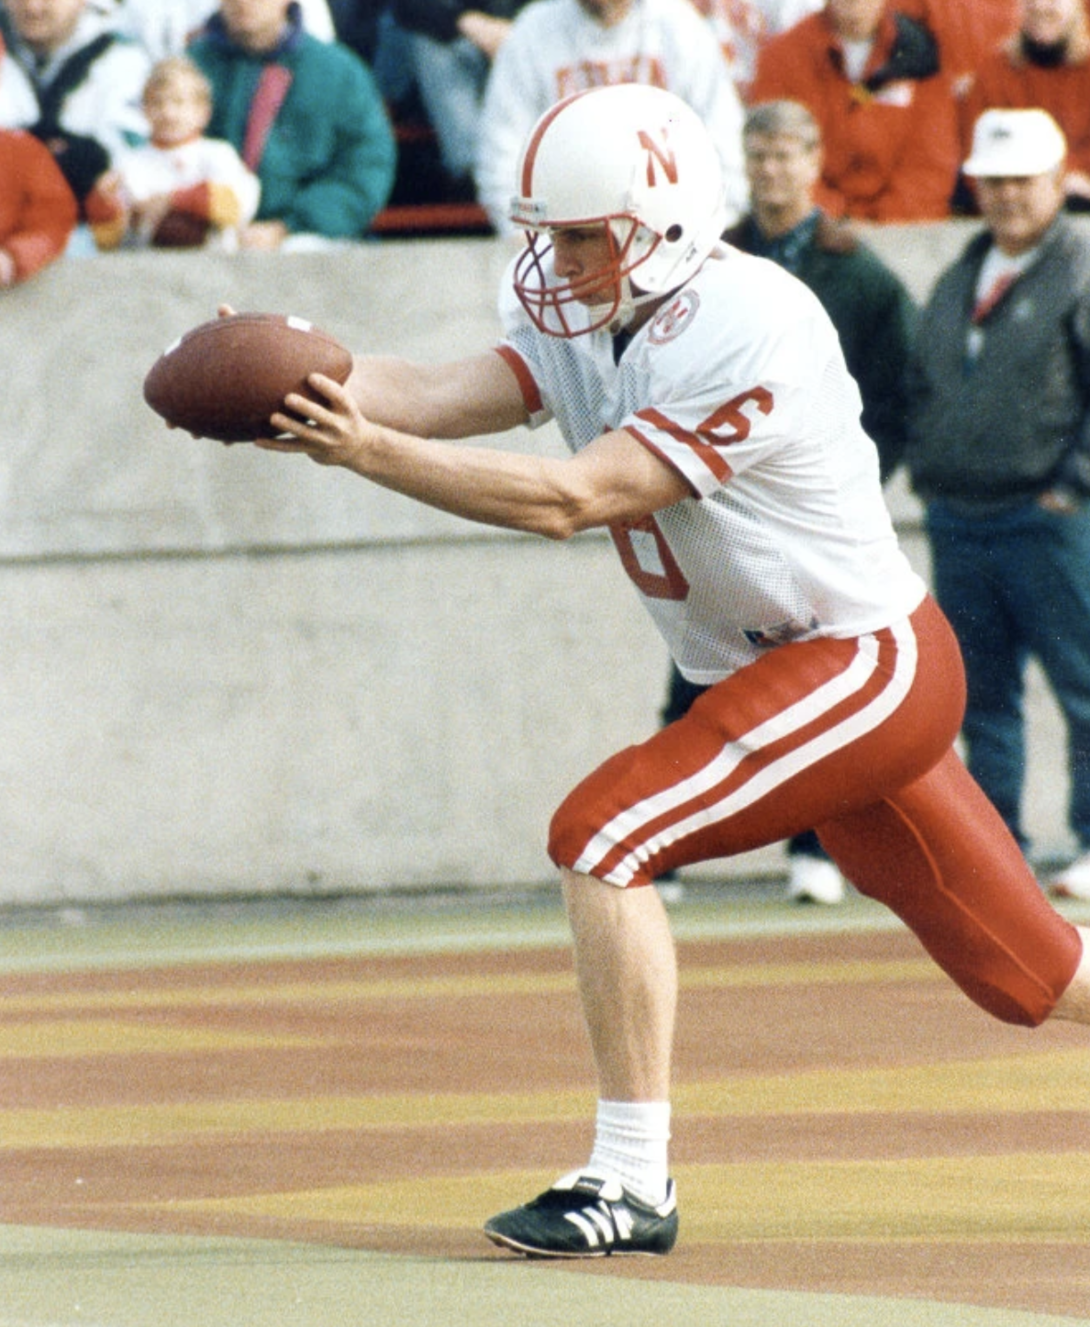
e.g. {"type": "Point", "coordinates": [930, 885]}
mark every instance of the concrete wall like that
{"type": "Point", "coordinates": [234, 672]}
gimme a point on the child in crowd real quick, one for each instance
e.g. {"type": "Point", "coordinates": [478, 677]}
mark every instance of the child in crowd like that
{"type": "Point", "coordinates": [181, 189]}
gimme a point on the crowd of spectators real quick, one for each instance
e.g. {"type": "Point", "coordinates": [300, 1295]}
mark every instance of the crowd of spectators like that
{"type": "Point", "coordinates": [1044, 63]}
{"type": "Point", "coordinates": [311, 95]}
{"type": "Point", "coordinates": [872, 76]}
{"type": "Point", "coordinates": [274, 136]}
{"type": "Point", "coordinates": [273, 125]}
{"type": "Point", "coordinates": [306, 116]}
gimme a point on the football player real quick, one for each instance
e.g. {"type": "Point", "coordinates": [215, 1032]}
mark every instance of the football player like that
{"type": "Point", "coordinates": [714, 430]}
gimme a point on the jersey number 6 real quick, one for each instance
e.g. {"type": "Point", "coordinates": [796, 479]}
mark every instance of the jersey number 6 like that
{"type": "Point", "coordinates": [645, 554]}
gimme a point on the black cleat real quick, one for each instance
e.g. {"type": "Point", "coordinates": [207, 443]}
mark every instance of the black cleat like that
{"type": "Point", "coordinates": [581, 1217]}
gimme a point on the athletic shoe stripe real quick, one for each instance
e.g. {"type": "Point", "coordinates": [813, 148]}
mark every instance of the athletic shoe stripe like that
{"type": "Point", "coordinates": [587, 1228]}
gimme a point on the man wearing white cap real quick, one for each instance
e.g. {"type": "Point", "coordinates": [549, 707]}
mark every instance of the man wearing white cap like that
{"type": "Point", "coordinates": [999, 452]}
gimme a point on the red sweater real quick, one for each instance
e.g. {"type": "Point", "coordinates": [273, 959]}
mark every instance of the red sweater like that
{"type": "Point", "coordinates": [37, 208]}
{"type": "Point", "coordinates": [1007, 80]}
{"type": "Point", "coordinates": [889, 155]}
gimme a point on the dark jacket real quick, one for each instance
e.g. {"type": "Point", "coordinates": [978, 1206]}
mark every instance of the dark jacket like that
{"type": "Point", "coordinates": [1010, 423]}
{"type": "Point", "coordinates": [439, 18]}
{"type": "Point", "coordinates": [871, 310]}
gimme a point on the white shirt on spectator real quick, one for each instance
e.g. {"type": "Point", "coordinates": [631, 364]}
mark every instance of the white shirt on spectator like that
{"type": "Point", "coordinates": [107, 104]}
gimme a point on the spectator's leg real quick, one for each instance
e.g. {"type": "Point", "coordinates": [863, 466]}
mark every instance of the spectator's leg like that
{"type": "Point", "coordinates": [972, 570]}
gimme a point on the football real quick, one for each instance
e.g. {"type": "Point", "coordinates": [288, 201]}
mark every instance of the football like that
{"type": "Point", "coordinates": [224, 378]}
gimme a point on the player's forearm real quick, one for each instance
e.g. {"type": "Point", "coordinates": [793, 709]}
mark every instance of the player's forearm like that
{"type": "Point", "coordinates": [614, 479]}
{"type": "Point", "coordinates": [462, 399]}
{"type": "Point", "coordinates": [538, 495]}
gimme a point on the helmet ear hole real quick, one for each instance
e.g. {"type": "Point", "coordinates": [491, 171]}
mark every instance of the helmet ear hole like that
{"type": "Point", "coordinates": [673, 233]}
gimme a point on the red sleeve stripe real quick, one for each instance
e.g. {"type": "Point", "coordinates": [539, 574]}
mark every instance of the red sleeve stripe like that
{"type": "Point", "coordinates": [707, 453]}
{"type": "Point", "coordinates": [531, 397]}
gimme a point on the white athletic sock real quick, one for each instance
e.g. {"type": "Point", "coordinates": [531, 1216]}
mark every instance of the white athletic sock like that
{"type": "Point", "coordinates": [630, 1145]}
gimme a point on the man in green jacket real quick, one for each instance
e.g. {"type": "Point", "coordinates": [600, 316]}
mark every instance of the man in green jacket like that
{"type": "Point", "coordinates": [999, 452]}
{"type": "Point", "coordinates": [307, 117]}
{"type": "Point", "coordinates": [873, 315]}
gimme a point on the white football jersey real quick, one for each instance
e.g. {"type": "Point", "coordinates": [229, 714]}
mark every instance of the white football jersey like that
{"type": "Point", "coordinates": [738, 383]}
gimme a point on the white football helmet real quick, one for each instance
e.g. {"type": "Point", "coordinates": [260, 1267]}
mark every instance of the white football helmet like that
{"type": "Point", "coordinates": [638, 160]}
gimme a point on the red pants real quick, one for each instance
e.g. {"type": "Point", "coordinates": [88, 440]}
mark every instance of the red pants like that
{"type": "Point", "coordinates": [853, 738]}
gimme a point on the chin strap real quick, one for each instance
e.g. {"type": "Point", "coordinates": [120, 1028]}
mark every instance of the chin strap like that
{"type": "Point", "coordinates": [628, 305]}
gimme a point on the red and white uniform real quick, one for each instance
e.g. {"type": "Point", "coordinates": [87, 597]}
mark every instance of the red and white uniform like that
{"type": "Point", "coordinates": [739, 383]}
{"type": "Point", "coordinates": [838, 689]}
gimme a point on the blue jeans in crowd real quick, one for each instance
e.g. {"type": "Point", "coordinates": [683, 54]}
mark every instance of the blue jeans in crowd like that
{"type": "Point", "coordinates": [1016, 585]}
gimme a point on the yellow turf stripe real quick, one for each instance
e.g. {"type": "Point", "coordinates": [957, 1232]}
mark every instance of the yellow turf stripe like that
{"type": "Point", "coordinates": [1031, 1196]}
{"type": "Point", "coordinates": [162, 1124]}
{"type": "Point", "coordinates": [272, 994]}
{"type": "Point", "coordinates": [277, 993]}
{"type": "Point", "coordinates": [442, 1200]}
{"type": "Point", "coordinates": [1026, 1196]}
{"type": "Point", "coordinates": [1052, 1080]}
{"type": "Point", "coordinates": [1049, 1080]}
{"type": "Point", "coordinates": [53, 1038]}
{"type": "Point", "coordinates": [847, 972]}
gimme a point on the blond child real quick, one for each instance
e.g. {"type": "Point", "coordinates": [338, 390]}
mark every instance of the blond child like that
{"type": "Point", "coordinates": [181, 189]}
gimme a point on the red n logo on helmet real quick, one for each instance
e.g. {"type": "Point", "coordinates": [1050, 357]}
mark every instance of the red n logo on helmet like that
{"type": "Point", "coordinates": [661, 153]}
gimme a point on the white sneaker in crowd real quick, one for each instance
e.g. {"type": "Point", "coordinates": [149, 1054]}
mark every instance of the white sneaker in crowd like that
{"type": "Point", "coordinates": [1074, 880]}
{"type": "Point", "coordinates": [814, 880]}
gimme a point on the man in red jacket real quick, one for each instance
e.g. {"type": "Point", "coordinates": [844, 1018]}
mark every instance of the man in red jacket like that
{"type": "Point", "coordinates": [870, 75]}
{"type": "Point", "coordinates": [37, 208]}
{"type": "Point", "coordinates": [967, 31]}
{"type": "Point", "coordinates": [1045, 64]}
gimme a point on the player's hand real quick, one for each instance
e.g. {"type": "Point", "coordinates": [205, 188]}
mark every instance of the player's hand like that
{"type": "Point", "coordinates": [335, 433]}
